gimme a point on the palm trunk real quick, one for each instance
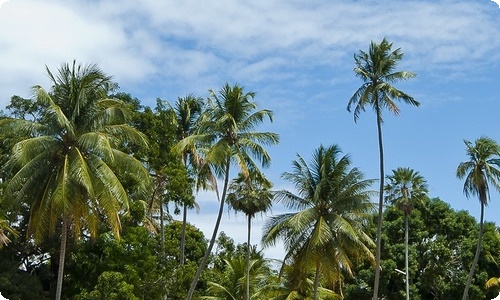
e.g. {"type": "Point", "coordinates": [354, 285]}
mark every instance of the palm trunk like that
{"type": "Point", "coordinates": [184, 221]}
{"type": "Point", "coordinates": [316, 282]}
{"type": "Point", "coordinates": [162, 228]}
{"type": "Point", "coordinates": [214, 236]}
{"type": "Point", "coordinates": [380, 203]}
{"type": "Point", "coordinates": [476, 257]}
{"type": "Point", "coordinates": [62, 255]}
{"type": "Point", "coordinates": [407, 271]}
{"type": "Point", "coordinates": [183, 234]}
{"type": "Point", "coordinates": [248, 257]}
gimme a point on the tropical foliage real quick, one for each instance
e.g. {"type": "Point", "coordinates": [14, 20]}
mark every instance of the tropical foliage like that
{"type": "Point", "coordinates": [92, 183]}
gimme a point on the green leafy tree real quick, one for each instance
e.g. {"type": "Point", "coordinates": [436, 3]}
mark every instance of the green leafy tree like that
{"type": "Point", "coordinates": [439, 255]}
{"type": "Point", "coordinates": [377, 70]}
{"type": "Point", "coordinates": [481, 170]}
{"type": "Point", "coordinates": [66, 169]}
{"type": "Point", "coordinates": [403, 188]}
{"type": "Point", "coordinates": [111, 286]}
{"type": "Point", "coordinates": [225, 138]}
{"type": "Point", "coordinates": [250, 195]}
{"type": "Point", "coordinates": [328, 231]}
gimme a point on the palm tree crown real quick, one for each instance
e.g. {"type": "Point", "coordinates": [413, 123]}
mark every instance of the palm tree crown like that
{"type": "Point", "coordinates": [481, 169]}
{"type": "Point", "coordinates": [404, 187]}
{"type": "Point", "coordinates": [377, 70]}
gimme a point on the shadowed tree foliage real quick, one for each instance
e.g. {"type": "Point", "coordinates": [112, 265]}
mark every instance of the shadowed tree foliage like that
{"type": "Point", "coordinates": [377, 69]}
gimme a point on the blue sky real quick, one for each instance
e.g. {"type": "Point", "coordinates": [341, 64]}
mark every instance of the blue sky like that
{"type": "Point", "coordinates": [298, 57]}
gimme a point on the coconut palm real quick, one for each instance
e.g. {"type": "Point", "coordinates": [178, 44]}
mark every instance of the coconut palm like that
{"type": "Point", "coordinates": [251, 196]}
{"type": "Point", "coordinates": [328, 230]}
{"type": "Point", "coordinates": [226, 138]}
{"type": "Point", "coordinates": [187, 111]}
{"type": "Point", "coordinates": [237, 274]}
{"type": "Point", "coordinates": [403, 188]}
{"type": "Point", "coordinates": [481, 170]}
{"type": "Point", "coordinates": [67, 170]}
{"type": "Point", "coordinates": [377, 70]}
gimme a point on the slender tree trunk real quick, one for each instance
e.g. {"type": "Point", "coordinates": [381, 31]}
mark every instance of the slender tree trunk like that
{"type": "Point", "coordinates": [248, 257]}
{"type": "Point", "coordinates": [162, 228]}
{"type": "Point", "coordinates": [380, 203]}
{"type": "Point", "coordinates": [183, 234]}
{"type": "Point", "coordinates": [184, 221]}
{"type": "Point", "coordinates": [214, 236]}
{"type": "Point", "coordinates": [62, 255]}
{"type": "Point", "coordinates": [407, 271]}
{"type": "Point", "coordinates": [476, 257]}
{"type": "Point", "coordinates": [316, 282]}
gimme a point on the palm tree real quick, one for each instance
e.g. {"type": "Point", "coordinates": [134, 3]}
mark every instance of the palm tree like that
{"type": "Point", "coordinates": [377, 70]}
{"type": "Point", "coordinates": [328, 230]}
{"type": "Point", "coordinates": [67, 170]}
{"type": "Point", "coordinates": [187, 111]}
{"type": "Point", "coordinates": [251, 196]}
{"type": "Point", "coordinates": [225, 137]}
{"type": "Point", "coordinates": [237, 274]}
{"type": "Point", "coordinates": [481, 170]}
{"type": "Point", "coordinates": [403, 188]}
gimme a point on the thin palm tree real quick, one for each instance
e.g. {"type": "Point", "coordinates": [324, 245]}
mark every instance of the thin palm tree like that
{"type": "Point", "coordinates": [67, 170]}
{"type": "Point", "coordinates": [377, 70]}
{"type": "Point", "coordinates": [187, 111]}
{"type": "Point", "coordinates": [226, 138]}
{"type": "Point", "coordinates": [403, 188]}
{"type": "Point", "coordinates": [328, 230]}
{"type": "Point", "coordinates": [481, 170]}
{"type": "Point", "coordinates": [251, 196]}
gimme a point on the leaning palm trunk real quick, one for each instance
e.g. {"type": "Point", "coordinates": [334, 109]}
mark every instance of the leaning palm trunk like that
{"type": "Point", "coordinates": [214, 236]}
{"type": "Point", "coordinates": [407, 271]}
{"type": "Point", "coordinates": [62, 255]}
{"type": "Point", "coordinates": [380, 202]}
{"type": "Point", "coordinates": [476, 257]}
{"type": "Point", "coordinates": [247, 294]}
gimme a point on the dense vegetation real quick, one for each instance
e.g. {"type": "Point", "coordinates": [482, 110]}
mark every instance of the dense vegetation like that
{"type": "Point", "coordinates": [87, 175]}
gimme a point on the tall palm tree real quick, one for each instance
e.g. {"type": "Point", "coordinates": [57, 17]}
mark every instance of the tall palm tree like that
{"type": "Point", "coordinates": [481, 170]}
{"type": "Point", "coordinates": [403, 188]}
{"type": "Point", "coordinates": [187, 111]}
{"type": "Point", "coordinates": [377, 70]}
{"type": "Point", "coordinates": [328, 230]}
{"type": "Point", "coordinates": [251, 196]}
{"type": "Point", "coordinates": [67, 170]}
{"type": "Point", "coordinates": [226, 138]}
